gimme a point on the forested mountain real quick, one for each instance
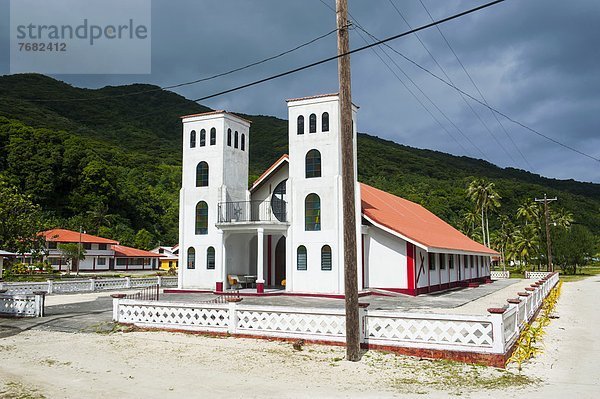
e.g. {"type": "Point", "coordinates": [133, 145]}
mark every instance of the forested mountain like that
{"type": "Point", "coordinates": [110, 161]}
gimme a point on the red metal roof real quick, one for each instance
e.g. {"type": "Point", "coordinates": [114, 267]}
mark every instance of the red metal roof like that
{"type": "Point", "coordinates": [414, 222]}
{"type": "Point", "coordinates": [128, 252]}
{"type": "Point", "coordinates": [273, 168]}
{"type": "Point", "coordinates": [64, 235]}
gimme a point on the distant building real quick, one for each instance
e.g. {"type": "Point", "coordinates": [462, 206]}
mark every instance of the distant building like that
{"type": "Point", "coordinates": [169, 257]}
{"type": "Point", "coordinates": [286, 230]}
{"type": "Point", "coordinates": [100, 253]}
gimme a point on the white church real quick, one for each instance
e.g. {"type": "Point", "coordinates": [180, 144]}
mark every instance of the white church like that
{"type": "Point", "coordinates": [283, 235]}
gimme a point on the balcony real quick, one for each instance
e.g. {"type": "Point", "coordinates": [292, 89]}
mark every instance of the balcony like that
{"type": "Point", "coordinates": [274, 211]}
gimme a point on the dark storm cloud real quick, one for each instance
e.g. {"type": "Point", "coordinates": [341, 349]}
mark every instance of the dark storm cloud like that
{"type": "Point", "coordinates": [535, 60]}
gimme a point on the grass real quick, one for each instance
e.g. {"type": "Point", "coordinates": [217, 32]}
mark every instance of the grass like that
{"type": "Point", "coordinates": [582, 273]}
{"type": "Point", "coordinates": [15, 390]}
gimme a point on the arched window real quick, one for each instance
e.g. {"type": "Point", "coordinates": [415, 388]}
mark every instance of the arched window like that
{"type": "Point", "coordinates": [193, 139]}
{"type": "Point", "coordinates": [202, 218]}
{"type": "Point", "coordinates": [202, 138]}
{"type": "Point", "coordinates": [213, 136]}
{"type": "Point", "coordinates": [278, 204]}
{"type": "Point", "coordinates": [312, 213]}
{"type": "Point", "coordinates": [210, 258]}
{"type": "Point", "coordinates": [301, 258]}
{"type": "Point", "coordinates": [312, 123]}
{"type": "Point", "coordinates": [313, 164]}
{"type": "Point", "coordinates": [243, 146]}
{"type": "Point", "coordinates": [236, 140]}
{"type": "Point", "coordinates": [300, 124]}
{"type": "Point", "coordinates": [191, 258]}
{"type": "Point", "coordinates": [325, 257]}
{"type": "Point", "coordinates": [229, 137]}
{"type": "Point", "coordinates": [202, 174]}
{"type": "Point", "coordinates": [325, 122]}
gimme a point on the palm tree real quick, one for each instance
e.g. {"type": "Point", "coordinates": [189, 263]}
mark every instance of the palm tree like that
{"type": "Point", "coordinates": [526, 243]}
{"type": "Point", "coordinates": [485, 197]}
{"type": "Point", "coordinates": [562, 218]}
{"type": "Point", "coordinates": [529, 212]}
{"type": "Point", "coordinates": [503, 238]}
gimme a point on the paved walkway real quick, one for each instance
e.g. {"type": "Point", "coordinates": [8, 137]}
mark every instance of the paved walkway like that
{"type": "Point", "coordinates": [459, 301]}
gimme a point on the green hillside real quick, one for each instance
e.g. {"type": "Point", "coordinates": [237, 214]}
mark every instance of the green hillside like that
{"type": "Point", "coordinates": [111, 163]}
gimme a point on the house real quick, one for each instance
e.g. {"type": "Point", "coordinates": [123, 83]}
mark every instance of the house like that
{"type": "Point", "coordinates": [286, 230]}
{"type": "Point", "coordinates": [100, 253]}
{"type": "Point", "coordinates": [169, 257]}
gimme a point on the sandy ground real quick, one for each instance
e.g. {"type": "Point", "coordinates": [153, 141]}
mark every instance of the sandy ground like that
{"type": "Point", "coordinates": [50, 364]}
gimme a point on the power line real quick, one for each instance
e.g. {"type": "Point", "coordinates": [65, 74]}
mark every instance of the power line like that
{"type": "Point", "coordinates": [356, 50]}
{"type": "Point", "coordinates": [414, 95]}
{"type": "Point", "coordinates": [450, 80]}
{"type": "Point", "coordinates": [484, 104]}
{"type": "Point", "coordinates": [197, 80]}
{"type": "Point", "coordinates": [431, 101]}
{"type": "Point", "coordinates": [476, 86]}
{"type": "Point", "coordinates": [355, 21]}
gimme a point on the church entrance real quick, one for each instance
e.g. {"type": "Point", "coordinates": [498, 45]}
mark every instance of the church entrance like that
{"type": "Point", "coordinates": [280, 261]}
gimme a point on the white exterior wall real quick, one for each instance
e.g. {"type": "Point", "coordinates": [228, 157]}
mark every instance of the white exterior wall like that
{"type": "Point", "coordinates": [329, 189]}
{"type": "Point", "coordinates": [385, 258]}
{"type": "Point", "coordinates": [90, 254]}
{"type": "Point", "coordinates": [421, 268]}
{"type": "Point", "coordinates": [228, 181]}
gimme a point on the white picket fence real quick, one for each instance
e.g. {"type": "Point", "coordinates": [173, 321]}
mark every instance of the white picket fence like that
{"type": "Point", "coordinates": [492, 333]}
{"type": "Point", "coordinates": [536, 275]}
{"type": "Point", "coordinates": [22, 305]}
{"type": "Point", "coordinates": [87, 285]}
{"type": "Point", "coordinates": [499, 274]}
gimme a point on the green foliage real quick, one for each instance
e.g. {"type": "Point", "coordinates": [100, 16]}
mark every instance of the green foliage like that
{"type": "Point", "coordinates": [114, 166]}
{"type": "Point", "coordinates": [572, 247]}
{"type": "Point", "coordinates": [20, 221]}
{"type": "Point", "coordinates": [144, 240]}
{"type": "Point", "coordinates": [71, 252]}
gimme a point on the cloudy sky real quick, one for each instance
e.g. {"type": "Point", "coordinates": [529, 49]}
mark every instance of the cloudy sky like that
{"type": "Point", "coordinates": [536, 61]}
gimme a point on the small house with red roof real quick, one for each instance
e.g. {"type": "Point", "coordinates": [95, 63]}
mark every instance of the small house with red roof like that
{"type": "Point", "coordinates": [101, 254]}
{"type": "Point", "coordinates": [285, 231]}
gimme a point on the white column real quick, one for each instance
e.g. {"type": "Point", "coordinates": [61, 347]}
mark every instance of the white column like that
{"type": "Point", "coordinates": [260, 281]}
{"type": "Point", "coordinates": [223, 264]}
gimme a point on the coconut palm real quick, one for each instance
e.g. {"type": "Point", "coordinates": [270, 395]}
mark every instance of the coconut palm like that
{"type": "Point", "coordinates": [562, 218]}
{"type": "Point", "coordinates": [485, 197]}
{"type": "Point", "coordinates": [529, 212]}
{"type": "Point", "coordinates": [503, 238]}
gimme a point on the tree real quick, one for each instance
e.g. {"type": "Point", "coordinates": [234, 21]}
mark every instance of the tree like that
{"type": "Point", "coordinates": [573, 247]}
{"type": "Point", "coordinates": [71, 252]}
{"type": "Point", "coordinates": [20, 221]}
{"type": "Point", "coordinates": [485, 197]}
{"type": "Point", "coordinates": [144, 239]}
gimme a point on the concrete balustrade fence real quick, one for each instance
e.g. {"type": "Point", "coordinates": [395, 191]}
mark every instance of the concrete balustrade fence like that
{"type": "Point", "coordinates": [484, 338]}
{"type": "Point", "coordinates": [536, 275]}
{"type": "Point", "coordinates": [22, 305]}
{"type": "Point", "coordinates": [87, 285]}
{"type": "Point", "coordinates": [499, 274]}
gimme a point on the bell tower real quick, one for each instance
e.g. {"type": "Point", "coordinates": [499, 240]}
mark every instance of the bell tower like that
{"type": "Point", "coordinates": [214, 170]}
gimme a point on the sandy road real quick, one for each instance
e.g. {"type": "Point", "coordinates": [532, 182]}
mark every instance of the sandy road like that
{"type": "Point", "coordinates": [56, 364]}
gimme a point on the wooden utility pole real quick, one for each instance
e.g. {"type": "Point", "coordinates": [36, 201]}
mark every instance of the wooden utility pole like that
{"type": "Point", "coordinates": [348, 189]}
{"type": "Point", "coordinates": [545, 200]}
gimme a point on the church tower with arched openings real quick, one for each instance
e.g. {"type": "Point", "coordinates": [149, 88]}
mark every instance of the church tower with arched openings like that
{"type": "Point", "coordinates": [315, 256]}
{"type": "Point", "coordinates": [214, 172]}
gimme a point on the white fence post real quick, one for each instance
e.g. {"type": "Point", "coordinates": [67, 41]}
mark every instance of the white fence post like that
{"type": "Point", "coordinates": [497, 318]}
{"type": "Point", "coordinates": [159, 281]}
{"type": "Point", "coordinates": [116, 300]}
{"type": "Point", "coordinates": [40, 298]}
{"type": "Point", "coordinates": [127, 282]}
{"type": "Point", "coordinates": [233, 318]}
{"type": "Point", "coordinates": [92, 285]}
{"type": "Point", "coordinates": [50, 286]}
{"type": "Point", "coordinates": [362, 321]}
